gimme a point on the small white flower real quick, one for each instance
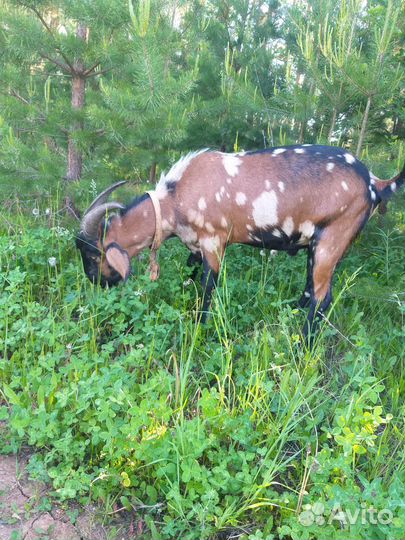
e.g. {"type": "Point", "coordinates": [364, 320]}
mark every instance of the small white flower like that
{"type": "Point", "coordinates": [69, 346]}
{"type": "Point", "coordinates": [52, 261]}
{"type": "Point", "coordinates": [47, 211]}
{"type": "Point", "coordinates": [140, 346]}
{"type": "Point", "coordinates": [273, 252]}
{"type": "Point", "coordinates": [187, 282]}
{"type": "Point", "coordinates": [262, 253]}
{"type": "Point", "coordinates": [139, 293]}
{"type": "Point", "coordinates": [35, 212]}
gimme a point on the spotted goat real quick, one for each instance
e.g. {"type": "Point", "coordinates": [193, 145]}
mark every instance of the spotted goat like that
{"type": "Point", "coordinates": [311, 197]}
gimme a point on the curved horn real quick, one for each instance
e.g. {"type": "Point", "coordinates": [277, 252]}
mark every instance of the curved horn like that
{"type": "Point", "coordinates": [102, 198]}
{"type": "Point", "coordinates": [92, 218]}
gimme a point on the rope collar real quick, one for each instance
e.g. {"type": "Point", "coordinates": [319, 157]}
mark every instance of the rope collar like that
{"type": "Point", "coordinates": [157, 239]}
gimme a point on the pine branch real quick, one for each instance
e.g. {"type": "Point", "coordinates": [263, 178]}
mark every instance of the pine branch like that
{"type": "Point", "coordinates": [65, 67]}
{"type": "Point", "coordinates": [48, 29]}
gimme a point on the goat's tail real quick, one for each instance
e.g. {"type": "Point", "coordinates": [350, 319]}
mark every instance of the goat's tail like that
{"type": "Point", "coordinates": [386, 188]}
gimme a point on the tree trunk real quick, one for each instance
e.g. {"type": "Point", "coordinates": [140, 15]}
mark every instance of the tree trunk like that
{"type": "Point", "coordinates": [74, 165]}
{"type": "Point", "coordinates": [363, 127]}
{"type": "Point", "coordinates": [303, 129]}
{"type": "Point", "coordinates": [332, 125]}
{"type": "Point", "coordinates": [152, 173]}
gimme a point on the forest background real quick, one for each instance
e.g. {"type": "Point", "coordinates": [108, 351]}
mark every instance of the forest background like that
{"type": "Point", "coordinates": [232, 430]}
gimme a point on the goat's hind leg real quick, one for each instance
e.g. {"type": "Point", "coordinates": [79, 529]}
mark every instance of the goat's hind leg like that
{"type": "Point", "coordinates": [333, 241]}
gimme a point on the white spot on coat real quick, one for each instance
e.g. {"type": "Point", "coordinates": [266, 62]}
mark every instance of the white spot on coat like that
{"type": "Point", "coordinates": [267, 184]}
{"type": "Point", "coordinates": [288, 226]}
{"type": "Point", "coordinates": [373, 197]}
{"type": "Point", "coordinates": [299, 151]}
{"type": "Point", "coordinates": [224, 223]}
{"type": "Point", "coordinates": [195, 217]}
{"type": "Point", "coordinates": [265, 209]}
{"type": "Point", "coordinates": [307, 228]}
{"type": "Point", "coordinates": [281, 186]}
{"type": "Point", "coordinates": [345, 186]}
{"type": "Point", "coordinates": [330, 167]}
{"type": "Point", "coordinates": [210, 244]}
{"type": "Point", "coordinates": [276, 233]}
{"type": "Point", "coordinates": [218, 196]}
{"type": "Point", "coordinates": [186, 234]}
{"type": "Point", "coordinates": [349, 158]}
{"type": "Point", "coordinates": [240, 198]}
{"type": "Point", "coordinates": [209, 227]}
{"type": "Point", "coordinates": [231, 164]}
{"type": "Point", "coordinates": [278, 151]}
{"type": "Point", "coordinates": [393, 186]}
{"type": "Point", "coordinates": [202, 205]}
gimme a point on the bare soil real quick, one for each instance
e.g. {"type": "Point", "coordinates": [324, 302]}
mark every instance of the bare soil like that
{"type": "Point", "coordinates": [22, 516]}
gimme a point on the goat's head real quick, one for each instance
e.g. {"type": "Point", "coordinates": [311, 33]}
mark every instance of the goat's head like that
{"type": "Point", "coordinates": [104, 261]}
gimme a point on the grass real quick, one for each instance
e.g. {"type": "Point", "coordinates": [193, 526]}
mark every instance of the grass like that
{"type": "Point", "coordinates": [228, 430]}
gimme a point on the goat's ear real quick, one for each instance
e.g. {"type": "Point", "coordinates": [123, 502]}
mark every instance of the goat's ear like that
{"type": "Point", "coordinates": [119, 260]}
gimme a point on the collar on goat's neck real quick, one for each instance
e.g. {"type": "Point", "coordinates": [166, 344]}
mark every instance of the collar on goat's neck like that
{"type": "Point", "coordinates": [157, 239]}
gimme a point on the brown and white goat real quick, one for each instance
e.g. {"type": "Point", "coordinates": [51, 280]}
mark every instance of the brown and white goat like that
{"type": "Point", "coordinates": [307, 196]}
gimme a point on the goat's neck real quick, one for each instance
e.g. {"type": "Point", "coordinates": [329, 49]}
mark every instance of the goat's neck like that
{"type": "Point", "coordinates": [136, 229]}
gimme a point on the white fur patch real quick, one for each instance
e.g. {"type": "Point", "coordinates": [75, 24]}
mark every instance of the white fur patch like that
{"type": "Point", "coordinates": [224, 223]}
{"type": "Point", "coordinates": [267, 184]}
{"type": "Point", "coordinates": [166, 225]}
{"type": "Point", "coordinates": [277, 233]}
{"type": "Point", "coordinates": [281, 186]}
{"type": "Point", "coordinates": [343, 208]}
{"type": "Point", "coordinates": [393, 186]}
{"type": "Point", "coordinates": [231, 164]}
{"type": "Point", "coordinates": [186, 234]}
{"type": "Point", "coordinates": [210, 244]}
{"type": "Point", "coordinates": [249, 227]}
{"type": "Point", "coordinates": [209, 227]}
{"type": "Point", "coordinates": [265, 209]}
{"type": "Point", "coordinates": [299, 150]}
{"type": "Point", "coordinates": [349, 158]}
{"type": "Point", "coordinates": [345, 186]}
{"type": "Point", "coordinates": [278, 151]}
{"type": "Point", "coordinates": [229, 181]}
{"type": "Point", "coordinates": [218, 196]}
{"type": "Point", "coordinates": [330, 167]}
{"type": "Point", "coordinates": [240, 198]}
{"type": "Point", "coordinates": [307, 228]}
{"type": "Point", "coordinates": [195, 217]}
{"type": "Point", "coordinates": [288, 226]}
{"type": "Point", "coordinates": [202, 205]}
{"type": "Point", "coordinates": [178, 169]}
{"type": "Point", "coordinates": [373, 197]}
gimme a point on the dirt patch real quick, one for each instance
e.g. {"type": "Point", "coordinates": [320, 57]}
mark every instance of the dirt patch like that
{"type": "Point", "coordinates": [22, 516]}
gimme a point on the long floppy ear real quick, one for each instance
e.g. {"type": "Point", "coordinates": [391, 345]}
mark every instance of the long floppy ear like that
{"type": "Point", "coordinates": [119, 259]}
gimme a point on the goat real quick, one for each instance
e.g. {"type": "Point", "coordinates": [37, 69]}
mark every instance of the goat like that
{"type": "Point", "coordinates": [288, 198]}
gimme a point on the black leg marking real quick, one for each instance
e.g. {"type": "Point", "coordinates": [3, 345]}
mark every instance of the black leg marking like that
{"type": "Point", "coordinates": [208, 282]}
{"type": "Point", "coordinates": [316, 311]}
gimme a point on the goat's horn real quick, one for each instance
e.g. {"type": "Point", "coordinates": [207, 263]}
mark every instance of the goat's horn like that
{"type": "Point", "coordinates": [102, 198]}
{"type": "Point", "coordinates": [92, 218]}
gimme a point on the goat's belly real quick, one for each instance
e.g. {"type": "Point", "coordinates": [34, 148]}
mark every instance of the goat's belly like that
{"type": "Point", "coordinates": [276, 239]}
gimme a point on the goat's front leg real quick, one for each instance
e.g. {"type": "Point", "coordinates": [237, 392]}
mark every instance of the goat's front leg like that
{"type": "Point", "coordinates": [211, 263]}
{"type": "Point", "coordinates": [194, 260]}
{"type": "Point", "coordinates": [305, 299]}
